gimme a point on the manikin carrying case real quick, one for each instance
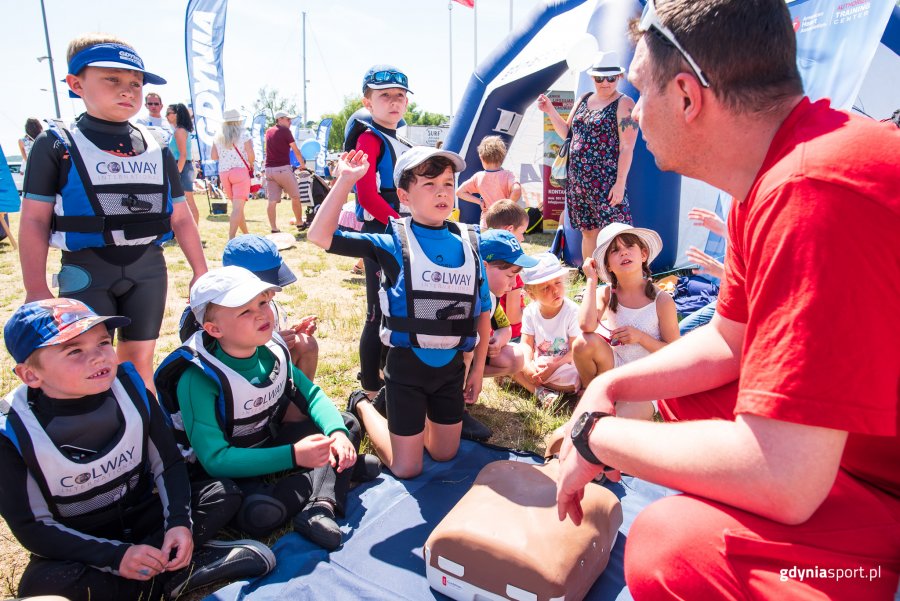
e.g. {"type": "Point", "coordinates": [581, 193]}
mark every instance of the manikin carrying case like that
{"type": "Point", "coordinates": [503, 540]}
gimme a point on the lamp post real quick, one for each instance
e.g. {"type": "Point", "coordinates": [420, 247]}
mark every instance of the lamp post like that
{"type": "Point", "coordinates": [49, 58]}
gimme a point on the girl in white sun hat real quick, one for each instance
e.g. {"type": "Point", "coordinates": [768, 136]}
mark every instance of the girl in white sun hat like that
{"type": "Point", "coordinates": [549, 327]}
{"type": "Point", "coordinates": [637, 319]}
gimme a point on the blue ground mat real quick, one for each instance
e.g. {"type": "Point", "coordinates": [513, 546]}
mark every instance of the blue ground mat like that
{"type": "Point", "coordinates": [387, 523]}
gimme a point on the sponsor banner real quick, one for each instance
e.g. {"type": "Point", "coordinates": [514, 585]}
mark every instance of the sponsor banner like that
{"type": "Point", "coordinates": [836, 41]}
{"type": "Point", "coordinates": [322, 133]}
{"type": "Point", "coordinates": [204, 39]}
{"type": "Point", "coordinates": [554, 193]}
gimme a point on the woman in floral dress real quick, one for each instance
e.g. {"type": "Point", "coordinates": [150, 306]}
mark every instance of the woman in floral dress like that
{"type": "Point", "coordinates": [603, 137]}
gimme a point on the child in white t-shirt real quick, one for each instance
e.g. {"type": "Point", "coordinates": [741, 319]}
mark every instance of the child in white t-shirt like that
{"type": "Point", "coordinates": [549, 327]}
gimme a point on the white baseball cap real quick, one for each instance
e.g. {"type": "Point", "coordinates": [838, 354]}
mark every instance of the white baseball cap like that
{"type": "Point", "coordinates": [281, 114]}
{"type": "Point", "coordinates": [417, 155]}
{"type": "Point", "coordinates": [230, 286]}
{"type": "Point", "coordinates": [548, 268]}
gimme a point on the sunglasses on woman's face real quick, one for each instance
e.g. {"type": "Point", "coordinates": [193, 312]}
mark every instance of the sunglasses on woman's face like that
{"type": "Point", "coordinates": [606, 78]}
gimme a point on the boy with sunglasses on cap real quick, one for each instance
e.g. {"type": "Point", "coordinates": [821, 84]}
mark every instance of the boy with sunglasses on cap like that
{"type": "Point", "coordinates": [108, 195]}
{"type": "Point", "coordinates": [374, 132]}
{"type": "Point", "coordinates": [228, 390]}
{"type": "Point", "coordinates": [93, 484]}
{"type": "Point", "coordinates": [435, 301]}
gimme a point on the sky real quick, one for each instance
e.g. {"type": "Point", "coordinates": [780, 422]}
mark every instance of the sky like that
{"type": "Point", "coordinates": [263, 46]}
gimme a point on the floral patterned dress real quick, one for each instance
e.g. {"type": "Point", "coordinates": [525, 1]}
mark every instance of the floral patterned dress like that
{"type": "Point", "coordinates": [592, 170]}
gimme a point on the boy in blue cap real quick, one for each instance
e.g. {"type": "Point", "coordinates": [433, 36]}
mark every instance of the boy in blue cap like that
{"type": "Point", "coordinates": [374, 132]}
{"type": "Point", "coordinates": [105, 193]}
{"type": "Point", "coordinates": [93, 484]}
{"type": "Point", "coordinates": [436, 305]}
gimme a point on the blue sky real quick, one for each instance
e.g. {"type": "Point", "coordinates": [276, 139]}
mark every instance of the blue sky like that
{"type": "Point", "coordinates": [262, 47]}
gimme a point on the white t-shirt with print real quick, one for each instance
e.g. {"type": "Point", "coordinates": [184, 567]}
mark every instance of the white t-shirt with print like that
{"type": "Point", "coordinates": [229, 159]}
{"type": "Point", "coordinates": [551, 336]}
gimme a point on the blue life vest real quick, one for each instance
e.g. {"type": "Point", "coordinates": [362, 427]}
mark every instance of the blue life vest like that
{"type": "Point", "coordinates": [391, 149]}
{"type": "Point", "coordinates": [111, 200]}
{"type": "Point", "coordinates": [431, 306]}
{"type": "Point", "coordinates": [71, 488]}
{"type": "Point", "coordinates": [248, 414]}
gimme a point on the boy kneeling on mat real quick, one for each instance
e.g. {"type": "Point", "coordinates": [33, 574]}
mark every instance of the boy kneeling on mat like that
{"type": "Point", "coordinates": [434, 300]}
{"type": "Point", "coordinates": [227, 391]}
{"type": "Point", "coordinates": [93, 484]}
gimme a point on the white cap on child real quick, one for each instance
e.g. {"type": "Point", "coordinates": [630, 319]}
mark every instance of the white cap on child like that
{"type": "Point", "coordinates": [230, 286]}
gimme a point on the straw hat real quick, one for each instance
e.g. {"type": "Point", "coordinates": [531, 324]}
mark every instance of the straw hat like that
{"type": "Point", "coordinates": [610, 232]}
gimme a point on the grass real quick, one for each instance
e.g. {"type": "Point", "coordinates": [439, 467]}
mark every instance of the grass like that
{"type": "Point", "coordinates": [324, 287]}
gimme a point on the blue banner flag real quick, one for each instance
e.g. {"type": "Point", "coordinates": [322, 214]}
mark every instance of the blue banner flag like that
{"type": "Point", "coordinates": [258, 136]}
{"type": "Point", "coordinates": [322, 134]}
{"type": "Point", "coordinates": [204, 39]}
{"type": "Point", "coordinates": [836, 40]}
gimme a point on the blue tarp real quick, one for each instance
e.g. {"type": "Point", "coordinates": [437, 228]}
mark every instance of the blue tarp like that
{"type": "Point", "coordinates": [386, 526]}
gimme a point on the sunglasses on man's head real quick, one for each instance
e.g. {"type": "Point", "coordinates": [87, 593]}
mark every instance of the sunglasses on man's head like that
{"type": "Point", "coordinates": [606, 78]}
{"type": "Point", "coordinates": [650, 22]}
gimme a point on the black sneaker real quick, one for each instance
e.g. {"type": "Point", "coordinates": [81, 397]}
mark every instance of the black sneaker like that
{"type": "Point", "coordinates": [221, 561]}
{"type": "Point", "coordinates": [316, 522]}
{"type": "Point", "coordinates": [472, 429]}
{"type": "Point", "coordinates": [353, 400]}
{"type": "Point", "coordinates": [380, 402]}
{"type": "Point", "coordinates": [366, 468]}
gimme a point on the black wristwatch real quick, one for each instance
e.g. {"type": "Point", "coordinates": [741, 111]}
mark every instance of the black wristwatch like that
{"type": "Point", "coordinates": [581, 433]}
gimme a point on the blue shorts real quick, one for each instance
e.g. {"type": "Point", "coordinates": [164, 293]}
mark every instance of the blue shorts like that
{"type": "Point", "coordinates": [187, 177]}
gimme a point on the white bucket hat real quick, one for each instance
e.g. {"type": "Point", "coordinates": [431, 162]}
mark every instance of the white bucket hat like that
{"type": "Point", "coordinates": [232, 116]}
{"type": "Point", "coordinates": [607, 64]}
{"type": "Point", "coordinates": [613, 230]}
{"type": "Point", "coordinates": [548, 268]}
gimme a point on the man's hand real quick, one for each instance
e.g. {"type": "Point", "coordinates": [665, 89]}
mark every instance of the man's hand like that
{"type": "Point", "coordinates": [313, 451]}
{"type": "Point", "coordinates": [575, 473]}
{"type": "Point", "coordinates": [343, 455]}
{"type": "Point", "coordinates": [180, 539]}
{"type": "Point", "coordinates": [142, 562]}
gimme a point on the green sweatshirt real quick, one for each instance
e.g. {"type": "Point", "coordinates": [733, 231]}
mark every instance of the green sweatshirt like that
{"type": "Point", "coordinates": [197, 394]}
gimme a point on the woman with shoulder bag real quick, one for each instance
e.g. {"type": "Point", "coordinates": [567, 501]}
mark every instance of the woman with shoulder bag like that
{"type": "Point", "coordinates": [233, 150]}
{"type": "Point", "coordinates": [603, 135]}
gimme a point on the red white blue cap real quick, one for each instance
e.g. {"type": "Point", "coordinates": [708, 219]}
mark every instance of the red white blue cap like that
{"type": "Point", "coordinates": [49, 322]}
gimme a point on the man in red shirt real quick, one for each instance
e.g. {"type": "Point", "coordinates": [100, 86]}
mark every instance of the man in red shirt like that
{"type": "Point", "coordinates": [796, 492]}
{"type": "Point", "coordinates": [279, 173]}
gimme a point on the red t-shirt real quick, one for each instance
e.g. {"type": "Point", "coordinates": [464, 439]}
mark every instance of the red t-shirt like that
{"type": "Point", "coordinates": [278, 146]}
{"type": "Point", "coordinates": [813, 270]}
{"type": "Point", "coordinates": [515, 328]}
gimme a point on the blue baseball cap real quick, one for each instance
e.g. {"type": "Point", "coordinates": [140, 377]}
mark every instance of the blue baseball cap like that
{"type": "Point", "coordinates": [49, 322]}
{"type": "Point", "coordinates": [501, 245]}
{"type": "Point", "coordinates": [381, 77]}
{"type": "Point", "coordinates": [111, 56]}
{"type": "Point", "coordinates": [260, 256]}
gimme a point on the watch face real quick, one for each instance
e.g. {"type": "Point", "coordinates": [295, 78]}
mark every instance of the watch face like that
{"type": "Point", "coordinates": [579, 425]}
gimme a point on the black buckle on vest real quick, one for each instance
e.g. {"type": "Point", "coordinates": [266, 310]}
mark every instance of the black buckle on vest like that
{"type": "Point", "coordinates": [449, 312]}
{"type": "Point", "coordinates": [136, 205]}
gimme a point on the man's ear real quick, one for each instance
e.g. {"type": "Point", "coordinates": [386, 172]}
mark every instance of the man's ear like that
{"type": "Point", "coordinates": [212, 329]}
{"type": "Point", "coordinates": [691, 93]}
{"type": "Point", "coordinates": [403, 195]}
{"type": "Point", "coordinates": [28, 375]}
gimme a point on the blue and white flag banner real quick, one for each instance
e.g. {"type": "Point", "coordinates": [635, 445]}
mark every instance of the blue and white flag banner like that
{"type": "Point", "coordinates": [204, 40]}
{"type": "Point", "coordinates": [322, 134]}
{"type": "Point", "coordinates": [836, 40]}
{"type": "Point", "coordinates": [258, 136]}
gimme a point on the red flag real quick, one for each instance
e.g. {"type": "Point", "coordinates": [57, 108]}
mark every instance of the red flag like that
{"type": "Point", "coordinates": [466, 3]}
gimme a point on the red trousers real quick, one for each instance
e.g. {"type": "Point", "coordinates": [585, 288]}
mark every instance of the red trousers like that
{"type": "Point", "coordinates": [685, 547]}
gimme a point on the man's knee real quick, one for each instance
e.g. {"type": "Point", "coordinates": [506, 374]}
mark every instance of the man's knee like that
{"type": "Point", "coordinates": [673, 549]}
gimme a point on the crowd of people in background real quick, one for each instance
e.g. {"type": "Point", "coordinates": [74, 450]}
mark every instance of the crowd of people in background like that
{"type": "Point", "coordinates": [786, 452]}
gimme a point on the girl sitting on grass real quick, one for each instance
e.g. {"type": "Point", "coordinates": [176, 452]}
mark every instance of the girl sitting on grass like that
{"type": "Point", "coordinates": [640, 320]}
